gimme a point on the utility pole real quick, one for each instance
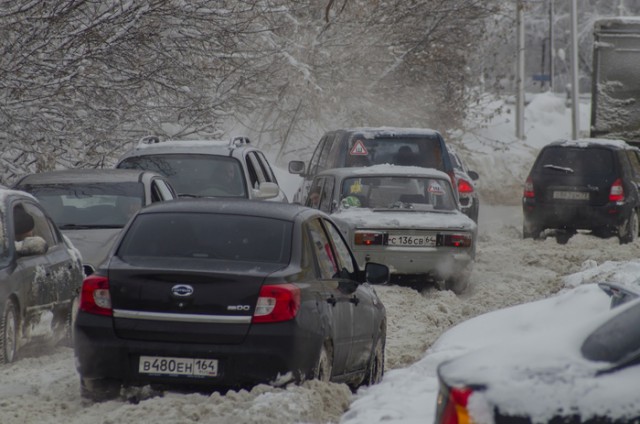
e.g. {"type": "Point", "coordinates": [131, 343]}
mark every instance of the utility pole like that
{"type": "Point", "coordinates": [575, 109]}
{"type": "Point", "coordinates": [552, 47]}
{"type": "Point", "coordinates": [520, 72]}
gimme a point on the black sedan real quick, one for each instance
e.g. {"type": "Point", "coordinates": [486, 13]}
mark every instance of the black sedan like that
{"type": "Point", "coordinates": [209, 294]}
{"type": "Point", "coordinates": [40, 277]}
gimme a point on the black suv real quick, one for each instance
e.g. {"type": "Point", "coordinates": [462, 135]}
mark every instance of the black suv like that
{"type": "Point", "coordinates": [357, 147]}
{"type": "Point", "coordinates": [588, 184]}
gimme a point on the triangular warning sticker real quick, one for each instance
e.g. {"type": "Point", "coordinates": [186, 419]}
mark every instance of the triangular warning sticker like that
{"type": "Point", "coordinates": [358, 149]}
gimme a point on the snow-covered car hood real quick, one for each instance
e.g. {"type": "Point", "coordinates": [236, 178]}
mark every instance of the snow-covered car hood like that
{"type": "Point", "coordinates": [93, 244]}
{"type": "Point", "coordinates": [403, 218]}
{"type": "Point", "coordinates": [539, 372]}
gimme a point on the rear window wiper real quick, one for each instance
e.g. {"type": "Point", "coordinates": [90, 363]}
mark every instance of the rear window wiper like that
{"type": "Point", "coordinates": [628, 360]}
{"type": "Point", "coordinates": [559, 168]}
{"type": "Point", "coordinates": [188, 195]}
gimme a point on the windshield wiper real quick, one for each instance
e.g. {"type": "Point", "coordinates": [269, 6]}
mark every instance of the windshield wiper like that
{"type": "Point", "coordinates": [559, 168]}
{"type": "Point", "coordinates": [87, 227]}
{"type": "Point", "coordinates": [188, 195]}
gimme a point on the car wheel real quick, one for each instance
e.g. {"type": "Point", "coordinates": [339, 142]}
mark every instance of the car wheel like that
{"type": "Point", "coordinates": [531, 231]}
{"type": "Point", "coordinates": [457, 284]}
{"type": "Point", "coordinates": [99, 390]}
{"type": "Point", "coordinates": [9, 333]}
{"type": "Point", "coordinates": [375, 367]}
{"type": "Point", "coordinates": [628, 231]}
{"type": "Point", "coordinates": [323, 368]}
{"type": "Point", "coordinates": [562, 237]}
{"type": "Point", "coordinates": [67, 338]}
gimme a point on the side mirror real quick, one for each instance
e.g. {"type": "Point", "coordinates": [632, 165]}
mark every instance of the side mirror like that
{"type": "Point", "coordinates": [296, 167]}
{"type": "Point", "coordinates": [32, 246]}
{"type": "Point", "coordinates": [375, 273]}
{"type": "Point", "coordinates": [474, 175]}
{"type": "Point", "coordinates": [267, 191]}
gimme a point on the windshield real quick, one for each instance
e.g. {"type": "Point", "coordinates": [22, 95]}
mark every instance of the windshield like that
{"type": "Point", "coordinates": [208, 236]}
{"type": "Point", "coordinates": [411, 151]}
{"type": "Point", "coordinates": [90, 205]}
{"type": "Point", "coordinates": [195, 175]}
{"type": "Point", "coordinates": [397, 192]}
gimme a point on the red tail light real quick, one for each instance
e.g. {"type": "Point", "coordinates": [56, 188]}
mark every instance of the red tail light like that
{"type": "Point", "coordinates": [456, 240]}
{"type": "Point", "coordinates": [528, 188]}
{"type": "Point", "coordinates": [368, 238]}
{"type": "Point", "coordinates": [455, 409]}
{"type": "Point", "coordinates": [95, 297]}
{"type": "Point", "coordinates": [464, 186]}
{"type": "Point", "coordinates": [616, 194]}
{"type": "Point", "coordinates": [277, 303]}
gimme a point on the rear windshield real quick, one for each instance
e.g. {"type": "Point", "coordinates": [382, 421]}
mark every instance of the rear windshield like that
{"type": "Point", "coordinates": [89, 204]}
{"type": "Point", "coordinates": [575, 161]}
{"type": "Point", "coordinates": [195, 175]}
{"type": "Point", "coordinates": [397, 192]}
{"type": "Point", "coordinates": [424, 152]}
{"type": "Point", "coordinates": [208, 236]}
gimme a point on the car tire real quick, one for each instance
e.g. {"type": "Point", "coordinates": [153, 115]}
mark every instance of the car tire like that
{"type": "Point", "coordinates": [530, 231]}
{"type": "Point", "coordinates": [9, 333]}
{"type": "Point", "coordinates": [324, 366]}
{"type": "Point", "coordinates": [457, 284]}
{"type": "Point", "coordinates": [628, 232]}
{"type": "Point", "coordinates": [69, 322]}
{"type": "Point", "coordinates": [98, 390]}
{"type": "Point", "coordinates": [375, 367]}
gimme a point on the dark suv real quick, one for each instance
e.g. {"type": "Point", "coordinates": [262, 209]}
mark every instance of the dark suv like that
{"type": "Point", "coordinates": [588, 184]}
{"type": "Point", "coordinates": [356, 147]}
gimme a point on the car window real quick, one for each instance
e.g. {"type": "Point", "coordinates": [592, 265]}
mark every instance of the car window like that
{"type": "Point", "coordinates": [313, 164]}
{"type": "Point", "coordinates": [343, 254]}
{"type": "Point", "coordinates": [409, 151]}
{"type": "Point", "coordinates": [195, 174]}
{"type": "Point", "coordinates": [320, 194]}
{"type": "Point", "coordinates": [160, 191]}
{"type": "Point", "coordinates": [208, 236]}
{"type": "Point", "coordinates": [575, 160]}
{"type": "Point", "coordinates": [398, 192]}
{"type": "Point", "coordinates": [322, 249]}
{"type": "Point", "coordinates": [30, 221]}
{"type": "Point", "coordinates": [266, 169]}
{"type": "Point", "coordinates": [326, 196]}
{"type": "Point", "coordinates": [88, 204]}
{"type": "Point", "coordinates": [635, 162]}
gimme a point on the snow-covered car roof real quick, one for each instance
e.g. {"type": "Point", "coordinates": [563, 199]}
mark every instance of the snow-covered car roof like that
{"type": "Point", "coordinates": [379, 132]}
{"type": "Point", "coordinates": [209, 147]}
{"type": "Point", "coordinates": [86, 176]}
{"type": "Point", "coordinates": [587, 142]}
{"type": "Point", "coordinates": [386, 170]}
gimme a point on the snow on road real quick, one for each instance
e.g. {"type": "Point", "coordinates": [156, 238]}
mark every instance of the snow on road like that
{"type": "Point", "coordinates": [44, 388]}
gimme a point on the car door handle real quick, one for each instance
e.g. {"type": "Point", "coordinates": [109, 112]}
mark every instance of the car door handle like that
{"type": "Point", "coordinates": [353, 299]}
{"type": "Point", "coordinates": [332, 300]}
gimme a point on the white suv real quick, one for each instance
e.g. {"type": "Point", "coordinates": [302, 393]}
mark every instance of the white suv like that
{"type": "Point", "coordinates": [207, 168]}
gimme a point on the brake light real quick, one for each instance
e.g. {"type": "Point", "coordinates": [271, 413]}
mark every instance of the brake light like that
{"type": "Point", "coordinates": [456, 240]}
{"type": "Point", "coordinates": [528, 188]}
{"type": "Point", "coordinates": [616, 193]}
{"type": "Point", "coordinates": [276, 303]}
{"type": "Point", "coordinates": [368, 238]}
{"type": "Point", "coordinates": [464, 186]}
{"type": "Point", "coordinates": [455, 410]}
{"type": "Point", "coordinates": [95, 297]}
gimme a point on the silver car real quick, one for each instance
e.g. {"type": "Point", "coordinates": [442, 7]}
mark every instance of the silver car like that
{"type": "Point", "coordinates": [404, 217]}
{"type": "Point", "coordinates": [91, 206]}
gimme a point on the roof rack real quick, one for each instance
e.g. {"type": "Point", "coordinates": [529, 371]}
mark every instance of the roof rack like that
{"type": "Point", "coordinates": [149, 139]}
{"type": "Point", "coordinates": [239, 141]}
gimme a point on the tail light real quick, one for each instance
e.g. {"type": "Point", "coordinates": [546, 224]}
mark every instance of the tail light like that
{"type": "Point", "coordinates": [528, 188]}
{"type": "Point", "coordinates": [616, 193]}
{"type": "Point", "coordinates": [95, 297]}
{"type": "Point", "coordinates": [455, 410]}
{"type": "Point", "coordinates": [455, 240]}
{"type": "Point", "coordinates": [368, 238]}
{"type": "Point", "coordinates": [464, 186]}
{"type": "Point", "coordinates": [277, 303]}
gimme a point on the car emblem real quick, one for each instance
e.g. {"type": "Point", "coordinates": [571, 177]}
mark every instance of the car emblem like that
{"type": "Point", "coordinates": [182, 290]}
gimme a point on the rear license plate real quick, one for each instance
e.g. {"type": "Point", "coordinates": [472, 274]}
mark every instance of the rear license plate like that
{"type": "Point", "coordinates": [571, 195]}
{"type": "Point", "coordinates": [189, 367]}
{"type": "Point", "coordinates": [412, 241]}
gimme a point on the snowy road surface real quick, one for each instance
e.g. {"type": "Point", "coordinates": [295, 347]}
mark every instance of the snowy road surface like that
{"type": "Point", "coordinates": [44, 388]}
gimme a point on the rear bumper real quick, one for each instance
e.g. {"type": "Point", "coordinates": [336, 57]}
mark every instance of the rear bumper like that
{"type": "Point", "coordinates": [270, 353]}
{"type": "Point", "coordinates": [438, 262]}
{"type": "Point", "coordinates": [574, 217]}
